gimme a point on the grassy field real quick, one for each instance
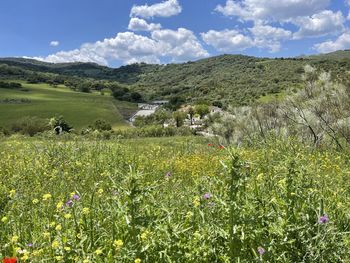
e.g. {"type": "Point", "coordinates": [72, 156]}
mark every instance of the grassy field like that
{"type": "Point", "coordinates": [79, 109]}
{"type": "Point", "coordinates": [172, 200]}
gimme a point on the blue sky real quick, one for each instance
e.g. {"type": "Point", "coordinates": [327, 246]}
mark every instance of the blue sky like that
{"type": "Point", "coordinates": [117, 32]}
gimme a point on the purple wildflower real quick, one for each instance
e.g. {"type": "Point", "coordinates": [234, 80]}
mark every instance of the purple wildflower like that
{"type": "Point", "coordinates": [323, 219]}
{"type": "Point", "coordinates": [261, 251]}
{"type": "Point", "coordinates": [69, 203]}
{"type": "Point", "coordinates": [207, 196]}
{"type": "Point", "coordinates": [168, 174]}
{"type": "Point", "coordinates": [30, 245]}
{"type": "Point", "coordinates": [76, 197]}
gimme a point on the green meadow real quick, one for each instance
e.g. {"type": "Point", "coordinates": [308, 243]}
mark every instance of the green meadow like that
{"type": "Point", "coordinates": [45, 101]}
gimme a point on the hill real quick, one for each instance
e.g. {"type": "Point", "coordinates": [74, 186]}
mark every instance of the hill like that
{"type": "Point", "coordinates": [230, 79]}
{"type": "Point", "coordinates": [79, 109]}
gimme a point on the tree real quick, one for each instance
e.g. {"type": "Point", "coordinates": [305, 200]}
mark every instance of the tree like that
{"type": "Point", "coordinates": [191, 113]}
{"type": "Point", "coordinates": [202, 110]}
{"type": "Point", "coordinates": [179, 118]}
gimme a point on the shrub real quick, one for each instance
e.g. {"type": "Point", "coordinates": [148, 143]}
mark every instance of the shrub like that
{"type": "Point", "coordinates": [30, 126]}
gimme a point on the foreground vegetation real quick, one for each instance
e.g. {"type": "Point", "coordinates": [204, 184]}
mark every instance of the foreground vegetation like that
{"type": "Point", "coordinates": [184, 200]}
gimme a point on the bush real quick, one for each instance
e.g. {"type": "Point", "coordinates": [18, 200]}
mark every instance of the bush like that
{"type": "Point", "coordinates": [30, 126]}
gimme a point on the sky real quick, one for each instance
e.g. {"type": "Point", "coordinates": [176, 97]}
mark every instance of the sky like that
{"type": "Point", "coordinates": [120, 32]}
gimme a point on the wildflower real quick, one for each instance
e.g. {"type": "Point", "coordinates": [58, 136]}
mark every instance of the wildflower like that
{"type": "Point", "coordinates": [47, 197]}
{"type": "Point", "coordinates": [69, 203]}
{"type": "Point", "coordinates": [58, 228]}
{"type": "Point", "coordinates": [52, 224]}
{"type": "Point", "coordinates": [86, 211]}
{"type": "Point", "coordinates": [221, 147]}
{"type": "Point", "coordinates": [137, 260]}
{"type": "Point", "coordinates": [189, 215]}
{"type": "Point", "coordinates": [261, 251]}
{"type": "Point", "coordinates": [14, 239]}
{"type": "Point", "coordinates": [59, 258]}
{"type": "Point", "coordinates": [46, 234]}
{"type": "Point", "coordinates": [30, 245]}
{"type": "Point", "coordinates": [55, 244]}
{"type": "Point", "coordinates": [144, 235]}
{"type": "Point", "coordinates": [12, 193]}
{"type": "Point", "coordinates": [59, 205]}
{"type": "Point", "coordinates": [67, 249]}
{"type": "Point", "coordinates": [206, 196]}
{"type": "Point", "coordinates": [67, 216]}
{"type": "Point", "coordinates": [86, 261]}
{"type": "Point", "coordinates": [4, 219]}
{"type": "Point", "coordinates": [167, 175]}
{"type": "Point", "coordinates": [35, 201]}
{"type": "Point", "coordinates": [210, 144]}
{"type": "Point", "coordinates": [98, 251]}
{"type": "Point", "coordinates": [9, 260]}
{"type": "Point", "coordinates": [323, 219]}
{"type": "Point", "coordinates": [25, 257]}
{"type": "Point", "coordinates": [196, 202]}
{"type": "Point", "coordinates": [76, 197]}
{"type": "Point", "coordinates": [118, 244]}
{"type": "Point", "coordinates": [100, 191]}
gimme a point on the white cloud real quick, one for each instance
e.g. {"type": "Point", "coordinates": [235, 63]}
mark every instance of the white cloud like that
{"type": "Point", "coordinates": [165, 9]}
{"type": "Point", "coordinates": [227, 40]}
{"type": "Point", "coordinates": [181, 44]}
{"type": "Point", "coordinates": [269, 37]}
{"type": "Point", "coordinates": [54, 43]}
{"type": "Point", "coordinates": [128, 47]}
{"type": "Point", "coordinates": [321, 24]}
{"type": "Point", "coordinates": [266, 31]}
{"type": "Point", "coordinates": [341, 43]}
{"type": "Point", "coordinates": [271, 10]}
{"type": "Point", "coordinates": [137, 24]}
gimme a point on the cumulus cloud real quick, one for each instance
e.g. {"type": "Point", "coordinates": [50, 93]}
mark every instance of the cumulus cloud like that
{"type": "Point", "coordinates": [342, 42]}
{"type": "Point", "coordinates": [321, 24]}
{"type": "Point", "coordinates": [128, 47]}
{"type": "Point", "coordinates": [227, 40]}
{"type": "Point", "coordinates": [271, 10]}
{"type": "Point", "coordinates": [138, 24]}
{"type": "Point", "coordinates": [165, 9]}
{"type": "Point", "coordinates": [54, 43]}
{"type": "Point", "coordinates": [269, 37]}
{"type": "Point", "coordinates": [261, 36]}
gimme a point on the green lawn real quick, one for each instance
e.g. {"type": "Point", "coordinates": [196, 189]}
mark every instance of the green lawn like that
{"type": "Point", "coordinates": [79, 109]}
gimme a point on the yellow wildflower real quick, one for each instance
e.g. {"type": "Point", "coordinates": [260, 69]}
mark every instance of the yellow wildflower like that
{"type": "Point", "coordinates": [47, 197]}
{"type": "Point", "coordinates": [59, 205]}
{"type": "Point", "coordinates": [67, 216]}
{"type": "Point", "coordinates": [4, 219]}
{"type": "Point", "coordinates": [67, 249]}
{"type": "Point", "coordinates": [196, 202]}
{"type": "Point", "coordinates": [86, 211]}
{"type": "Point", "coordinates": [58, 228]}
{"type": "Point", "coordinates": [46, 234]}
{"type": "Point", "coordinates": [59, 258]}
{"type": "Point", "coordinates": [137, 260]}
{"type": "Point", "coordinates": [12, 193]}
{"type": "Point", "coordinates": [118, 244]}
{"type": "Point", "coordinates": [100, 191]}
{"type": "Point", "coordinates": [35, 201]}
{"type": "Point", "coordinates": [14, 239]}
{"type": "Point", "coordinates": [98, 251]}
{"type": "Point", "coordinates": [144, 235]}
{"type": "Point", "coordinates": [55, 244]}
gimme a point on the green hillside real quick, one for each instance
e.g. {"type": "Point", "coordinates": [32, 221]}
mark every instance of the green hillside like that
{"type": "Point", "coordinates": [42, 100]}
{"type": "Point", "coordinates": [230, 79]}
